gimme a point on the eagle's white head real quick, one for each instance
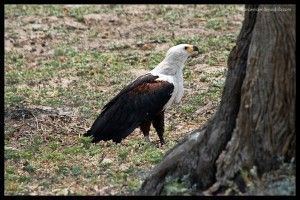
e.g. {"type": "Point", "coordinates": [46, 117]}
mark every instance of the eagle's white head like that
{"type": "Point", "coordinates": [181, 52]}
{"type": "Point", "coordinates": [175, 58]}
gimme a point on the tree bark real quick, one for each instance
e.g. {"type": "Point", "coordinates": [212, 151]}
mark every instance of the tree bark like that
{"type": "Point", "coordinates": [254, 123]}
{"type": "Point", "coordinates": [265, 128]}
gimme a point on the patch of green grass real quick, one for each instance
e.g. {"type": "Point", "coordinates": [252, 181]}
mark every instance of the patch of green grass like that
{"type": "Point", "coordinates": [125, 178]}
{"type": "Point", "coordinates": [219, 42]}
{"type": "Point", "coordinates": [29, 168]}
{"type": "Point", "coordinates": [12, 78]}
{"type": "Point", "coordinates": [9, 132]}
{"type": "Point", "coordinates": [118, 46]}
{"type": "Point", "coordinates": [215, 24]}
{"type": "Point", "coordinates": [18, 178]}
{"type": "Point", "coordinates": [94, 150]}
{"type": "Point", "coordinates": [76, 170]}
{"type": "Point", "coordinates": [133, 184]}
{"type": "Point", "coordinates": [131, 58]}
{"type": "Point", "coordinates": [104, 166]}
{"type": "Point", "coordinates": [154, 157]}
{"type": "Point", "coordinates": [215, 11]}
{"type": "Point", "coordinates": [188, 109]}
{"type": "Point", "coordinates": [73, 150]}
{"type": "Point", "coordinates": [196, 101]}
{"type": "Point", "coordinates": [155, 58]}
{"type": "Point", "coordinates": [37, 140]}
{"type": "Point", "coordinates": [36, 10]}
{"type": "Point", "coordinates": [80, 11]}
{"type": "Point", "coordinates": [14, 59]}
{"type": "Point", "coordinates": [123, 153]}
{"type": "Point", "coordinates": [55, 156]}
{"type": "Point", "coordinates": [54, 145]}
{"type": "Point", "coordinates": [24, 76]}
{"type": "Point", "coordinates": [10, 169]}
{"type": "Point", "coordinates": [85, 142]}
{"type": "Point", "coordinates": [188, 74]}
{"type": "Point", "coordinates": [172, 15]}
{"type": "Point", "coordinates": [11, 177]}
{"type": "Point", "coordinates": [64, 50]}
{"type": "Point", "coordinates": [159, 38]}
{"type": "Point", "coordinates": [77, 64]}
{"type": "Point", "coordinates": [187, 40]}
{"type": "Point", "coordinates": [63, 170]}
{"type": "Point", "coordinates": [57, 10]}
{"type": "Point", "coordinates": [12, 154]}
{"type": "Point", "coordinates": [214, 93]}
{"type": "Point", "coordinates": [175, 187]}
{"type": "Point", "coordinates": [118, 178]}
{"type": "Point", "coordinates": [148, 153]}
{"type": "Point", "coordinates": [13, 99]}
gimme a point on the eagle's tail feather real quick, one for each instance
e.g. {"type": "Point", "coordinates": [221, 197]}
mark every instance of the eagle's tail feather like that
{"type": "Point", "coordinates": [95, 137]}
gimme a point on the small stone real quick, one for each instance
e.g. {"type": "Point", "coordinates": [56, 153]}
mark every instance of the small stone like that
{"type": "Point", "coordinates": [106, 161]}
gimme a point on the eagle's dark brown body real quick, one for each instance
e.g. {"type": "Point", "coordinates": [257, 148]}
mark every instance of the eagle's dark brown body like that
{"type": "Point", "coordinates": [137, 105]}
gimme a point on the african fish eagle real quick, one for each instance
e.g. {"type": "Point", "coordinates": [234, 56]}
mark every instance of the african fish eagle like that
{"type": "Point", "coordinates": [144, 100]}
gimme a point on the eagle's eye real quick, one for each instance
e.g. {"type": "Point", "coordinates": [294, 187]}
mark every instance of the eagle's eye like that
{"type": "Point", "coordinates": [185, 47]}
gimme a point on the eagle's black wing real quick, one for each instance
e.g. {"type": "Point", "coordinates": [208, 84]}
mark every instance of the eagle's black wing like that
{"type": "Point", "coordinates": [138, 102]}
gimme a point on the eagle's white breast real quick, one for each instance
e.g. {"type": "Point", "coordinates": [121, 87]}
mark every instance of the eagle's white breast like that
{"type": "Point", "coordinates": [177, 81]}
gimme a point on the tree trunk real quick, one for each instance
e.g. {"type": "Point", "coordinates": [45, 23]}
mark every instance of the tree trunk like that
{"type": "Point", "coordinates": [254, 124]}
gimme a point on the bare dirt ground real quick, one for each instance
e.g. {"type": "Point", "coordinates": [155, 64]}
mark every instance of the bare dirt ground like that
{"type": "Point", "coordinates": [63, 63]}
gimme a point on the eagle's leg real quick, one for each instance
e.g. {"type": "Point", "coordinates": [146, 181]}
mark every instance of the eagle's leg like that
{"type": "Point", "coordinates": [159, 125]}
{"type": "Point", "coordinates": [145, 128]}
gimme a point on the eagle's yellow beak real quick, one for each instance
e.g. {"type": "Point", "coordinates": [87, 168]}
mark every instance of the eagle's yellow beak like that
{"type": "Point", "coordinates": [192, 48]}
